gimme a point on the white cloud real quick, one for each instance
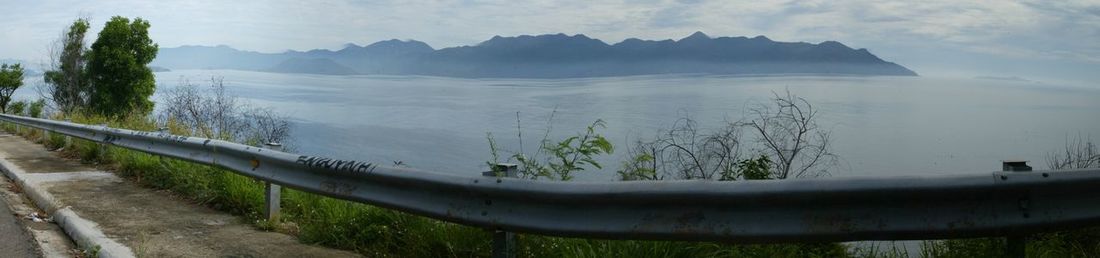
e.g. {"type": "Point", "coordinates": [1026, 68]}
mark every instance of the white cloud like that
{"type": "Point", "coordinates": [1018, 29]}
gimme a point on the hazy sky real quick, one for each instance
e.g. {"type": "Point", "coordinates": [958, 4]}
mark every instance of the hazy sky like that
{"type": "Point", "coordinates": [1045, 40]}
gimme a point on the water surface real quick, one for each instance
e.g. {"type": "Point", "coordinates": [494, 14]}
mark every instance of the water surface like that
{"type": "Point", "coordinates": [880, 125]}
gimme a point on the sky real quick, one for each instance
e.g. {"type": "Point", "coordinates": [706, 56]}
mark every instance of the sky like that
{"type": "Point", "coordinates": [1035, 40]}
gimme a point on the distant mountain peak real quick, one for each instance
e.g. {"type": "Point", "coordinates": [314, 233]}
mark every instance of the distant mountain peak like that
{"type": "Point", "coordinates": [833, 44]}
{"type": "Point", "coordinates": [399, 43]}
{"type": "Point", "coordinates": [698, 35]}
{"type": "Point", "coordinates": [537, 40]}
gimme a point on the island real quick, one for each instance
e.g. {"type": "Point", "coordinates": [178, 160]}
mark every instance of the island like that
{"type": "Point", "coordinates": [552, 56]}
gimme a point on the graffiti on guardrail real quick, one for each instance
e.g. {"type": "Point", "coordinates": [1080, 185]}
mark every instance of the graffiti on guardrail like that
{"type": "Point", "coordinates": [335, 164]}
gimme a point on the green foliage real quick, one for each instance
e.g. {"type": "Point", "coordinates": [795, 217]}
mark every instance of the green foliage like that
{"type": "Point", "coordinates": [568, 156]}
{"type": "Point", "coordinates": [66, 82]}
{"type": "Point", "coordinates": [11, 78]}
{"type": "Point", "coordinates": [17, 108]}
{"type": "Point", "coordinates": [539, 246]}
{"type": "Point", "coordinates": [640, 167]}
{"type": "Point", "coordinates": [1073, 243]}
{"type": "Point", "coordinates": [36, 108]}
{"type": "Point", "coordinates": [977, 247]}
{"type": "Point", "coordinates": [752, 169]}
{"type": "Point", "coordinates": [117, 68]}
{"type": "Point", "coordinates": [494, 154]}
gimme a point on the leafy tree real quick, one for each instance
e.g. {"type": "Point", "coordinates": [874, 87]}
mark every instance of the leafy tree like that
{"type": "Point", "coordinates": [66, 84]}
{"type": "Point", "coordinates": [117, 68]}
{"type": "Point", "coordinates": [11, 78]}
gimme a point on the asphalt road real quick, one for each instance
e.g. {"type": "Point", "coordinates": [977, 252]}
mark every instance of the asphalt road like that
{"type": "Point", "coordinates": [14, 240]}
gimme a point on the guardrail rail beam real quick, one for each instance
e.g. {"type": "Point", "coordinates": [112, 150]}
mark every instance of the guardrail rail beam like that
{"type": "Point", "coordinates": [989, 204]}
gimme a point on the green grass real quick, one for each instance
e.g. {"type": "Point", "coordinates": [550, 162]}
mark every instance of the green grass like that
{"type": "Point", "coordinates": [1073, 243]}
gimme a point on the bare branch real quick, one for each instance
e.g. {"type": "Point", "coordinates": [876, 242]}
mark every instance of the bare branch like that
{"type": "Point", "coordinates": [214, 113]}
{"type": "Point", "coordinates": [1079, 153]}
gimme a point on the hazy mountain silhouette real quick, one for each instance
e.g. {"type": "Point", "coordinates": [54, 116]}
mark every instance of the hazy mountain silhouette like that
{"type": "Point", "coordinates": [553, 56]}
{"type": "Point", "coordinates": [219, 57]}
{"type": "Point", "coordinates": [383, 57]}
{"type": "Point", "coordinates": [311, 65]}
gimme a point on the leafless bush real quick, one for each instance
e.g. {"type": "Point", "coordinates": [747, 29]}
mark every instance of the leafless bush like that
{"type": "Point", "coordinates": [685, 153]}
{"type": "Point", "coordinates": [267, 126]}
{"type": "Point", "coordinates": [214, 113]}
{"type": "Point", "coordinates": [1079, 153]}
{"type": "Point", "coordinates": [788, 134]}
{"type": "Point", "coordinates": [787, 142]}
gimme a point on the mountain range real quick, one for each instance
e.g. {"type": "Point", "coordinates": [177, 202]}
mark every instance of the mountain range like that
{"type": "Point", "coordinates": [550, 56]}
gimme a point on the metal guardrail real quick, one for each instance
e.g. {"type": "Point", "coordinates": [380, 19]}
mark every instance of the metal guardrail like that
{"type": "Point", "coordinates": [766, 211]}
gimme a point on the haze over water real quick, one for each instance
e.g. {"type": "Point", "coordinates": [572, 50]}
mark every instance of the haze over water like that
{"type": "Point", "coordinates": [880, 125]}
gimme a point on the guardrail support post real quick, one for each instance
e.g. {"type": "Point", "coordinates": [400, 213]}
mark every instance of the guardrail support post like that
{"type": "Point", "coordinates": [103, 146]}
{"type": "Point", "coordinates": [1016, 244]}
{"type": "Point", "coordinates": [273, 192]}
{"type": "Point", "coordinates": [68, 139]}
{"type": "Point", "coordinates": [504, 242]}
{"type": "Point", "coordinates": [45, 136]}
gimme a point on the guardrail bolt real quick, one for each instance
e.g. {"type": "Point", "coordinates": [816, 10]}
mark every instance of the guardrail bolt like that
{"type": "Point", "coordinates": [273, 192]}
{"type": "Point", "coordinates": [1016, 244]}
{"type": "Point", "coordinates": [504, 242]}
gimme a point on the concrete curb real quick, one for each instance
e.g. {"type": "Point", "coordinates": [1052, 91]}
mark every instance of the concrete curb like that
{"type": "Point", "coordinates": [85, 233]}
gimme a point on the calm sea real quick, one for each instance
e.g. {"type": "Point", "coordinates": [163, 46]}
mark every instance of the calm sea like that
{"type": "Point", "coordinates": [879, 125]}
